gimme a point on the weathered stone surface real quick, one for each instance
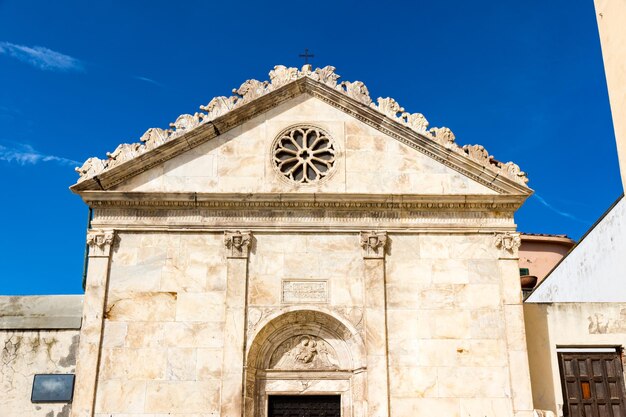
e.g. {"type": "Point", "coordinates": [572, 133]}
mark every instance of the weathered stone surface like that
{"type": "Point", "coordinates": [390, 278]}
{"type": "Point", "coordinates": [41, 312]}
{"type": "Point", "coordinates": [24, 353]}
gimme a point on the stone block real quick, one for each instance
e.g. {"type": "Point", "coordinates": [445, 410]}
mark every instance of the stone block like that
{"type": "Point", "coordinates": [487, 324]}
{"type": "Point", "coordinates": [520, 373]}
{"type": "Point", "coordinates": [483, 271]}
{"type": "Point", "coordinates": [141, 306]}
{"type": "Point", "coordinates": [194, 335]}
{"type": "Point", "coordinates": [487, 407]}
{"type": "Point", "coordinates": [176, 397]}
{"type": "Point", "coordinates": [474, 382]}
{"type": "Point", "coordinates": [515, 330]}
{"type": "Point", "coordinates": [133, 364]}
{"type": "Point", "coordinates": [440, 296]}
{"type": "Point", "coordinates": [208, 306]}
{"type": "Point", "coordinates": [208, 364]}
{"type": "Point", "coordinates": [412, 382]}
{"type": "Point", "coordinates": [448, 407]}
{"type": "Point", "coordinates": [145, 334]}
{"type": "Point", "coordinates": [450, 271]}
{"type": "Point", "coordinates": [450, 324]}
{"type": "Point", "coordinates": [181, 364]}
{"type": "Point", "coordinates": [120, 396]}
{"type": "Point", "coordinates": [114, 334]}
{"type": "Point", "coordinates": [478, 296]}
{"type": "Point", "coordinates": [433, 247]}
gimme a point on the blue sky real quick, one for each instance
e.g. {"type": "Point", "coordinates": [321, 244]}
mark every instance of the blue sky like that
{"type": "Point", "coordinates": [524, 79]}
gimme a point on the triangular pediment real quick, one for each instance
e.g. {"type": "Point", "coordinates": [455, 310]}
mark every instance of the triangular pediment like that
{"type": "Point", "coordinates": [227, 148]}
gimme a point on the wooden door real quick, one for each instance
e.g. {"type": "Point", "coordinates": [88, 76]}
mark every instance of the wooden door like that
{"type": "Point", "coordinates": [593, 384]}
{"type": "Point", "coordinates": [304, 406]}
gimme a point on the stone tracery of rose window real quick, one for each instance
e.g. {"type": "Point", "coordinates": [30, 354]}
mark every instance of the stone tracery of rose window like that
{"type": "Point", "coordinates": [304, 154]}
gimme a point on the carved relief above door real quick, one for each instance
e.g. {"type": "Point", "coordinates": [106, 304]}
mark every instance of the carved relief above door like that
{"type": "Point", "coordinates": [305, 353]}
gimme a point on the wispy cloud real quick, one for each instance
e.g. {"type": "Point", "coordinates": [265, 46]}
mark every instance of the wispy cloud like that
{"type": "Point", "coordinates": [27, 155]}
{"type": "Point", "coordinates": [42, 58]}
{"type": "Point", "coordinates": [148, 80]}
{"type": "Point", "coordinates": [557, 211]}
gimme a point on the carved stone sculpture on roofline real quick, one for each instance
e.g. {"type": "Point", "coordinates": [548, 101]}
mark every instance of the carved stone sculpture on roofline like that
{"type": "Point", "coordinates": [280, 76]}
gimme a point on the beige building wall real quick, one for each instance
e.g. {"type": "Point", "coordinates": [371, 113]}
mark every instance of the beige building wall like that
{"type": "Point", "coordinates": [611, 15]}
{"type": "Point", "coordinates": [549, 326]}
{"type": "Point", "coordinates": [38, 335]}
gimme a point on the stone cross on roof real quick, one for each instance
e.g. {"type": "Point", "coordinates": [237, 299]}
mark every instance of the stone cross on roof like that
{"type": "Point", "coordinates": [306, 56]}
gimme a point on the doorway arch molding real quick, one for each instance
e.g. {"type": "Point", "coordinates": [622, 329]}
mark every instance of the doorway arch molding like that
{"type": "Point", "coordinates": [347, 378]}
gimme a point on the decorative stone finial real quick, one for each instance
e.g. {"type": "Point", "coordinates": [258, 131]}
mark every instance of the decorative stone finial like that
{"type": "Point", "coordinates": [373, 244]}
{"type": "Point", "coordinates": [237, 244]}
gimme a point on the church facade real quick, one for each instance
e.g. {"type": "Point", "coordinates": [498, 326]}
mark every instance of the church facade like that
{"type": "Point", "coordinates": [298, 246]}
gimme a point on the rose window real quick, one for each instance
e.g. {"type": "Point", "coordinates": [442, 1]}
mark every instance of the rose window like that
{"type": "Point", "coordinates": [304, 154]}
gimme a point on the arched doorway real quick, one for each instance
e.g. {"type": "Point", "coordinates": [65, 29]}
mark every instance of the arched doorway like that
{"type": "Point", "coordinates": [305, 352]}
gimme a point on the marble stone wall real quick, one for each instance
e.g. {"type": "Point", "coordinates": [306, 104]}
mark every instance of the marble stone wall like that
{"type": "Point", "coordinates": [163, 326]}
{"type": "Point", "coordinates": [367, 160]}
{"type": "Point", "coordinates": [450, 337]}
{"type": "Point", "coordinates": [448, 320]}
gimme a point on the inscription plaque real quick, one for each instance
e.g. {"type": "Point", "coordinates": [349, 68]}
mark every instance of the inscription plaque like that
{"type": "Point", "coordinates": [305, 291]}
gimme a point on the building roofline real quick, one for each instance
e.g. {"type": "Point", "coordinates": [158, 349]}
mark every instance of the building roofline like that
{"type": "Point", "coordinates": [254, 97]}
{"type": "Point", "coordinates": [597, 222]}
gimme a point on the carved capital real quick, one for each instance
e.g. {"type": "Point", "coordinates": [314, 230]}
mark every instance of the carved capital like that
{"type": "Point", "coordinates": [508, 243]}
{"type": "Point", "coordinates": [237, 244]}
{"type": "Point", "coordinates": [373, 244]}
{"type": "Point", "coordinates": [100, 242]}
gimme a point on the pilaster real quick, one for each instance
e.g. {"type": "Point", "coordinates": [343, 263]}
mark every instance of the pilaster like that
{"type": "Point", "coordinates": [100, 242]}
{"type": "Point", "coordinates": [508, 244]}
{"type": "Point", "coordinates": [237, 246]}
{"type": "Point", "coordinates": [374, 245]}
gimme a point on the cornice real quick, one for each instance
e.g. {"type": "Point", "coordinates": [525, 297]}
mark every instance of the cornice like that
{"type": "Point", "coordinates": [255, 97]}
{"type": "Point", "coordinates": [302, 201]}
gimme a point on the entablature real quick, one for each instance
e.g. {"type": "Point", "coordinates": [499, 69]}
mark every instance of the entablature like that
{"type": "Point", "coordinates": [331, 212]}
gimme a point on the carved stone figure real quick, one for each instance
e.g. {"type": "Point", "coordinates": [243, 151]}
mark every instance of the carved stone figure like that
{"type": "Point", "coordinates": [122, 153]}
{"type": "Point", "coordinates": [100, 241]}
{"type": "Point", "coordinates": [356, 90]}
{"type": "Point", "coordinates": [478, 153]}
{"type": "Point", "coordinates": [154, 137]}
{"type": "Point", "coordinates": [514, 172]}
{"type": "Point", "coordinates": [282, 75]}
{"type": "Point", "coordinates": [186, 122]}
{"type": "Point", "coordinates": [508, 241]}
{"type": "Point", "coordinates": [304, 352]}
{"type": "Point", "coordinates": [326, 76]}
{"type": "Point", "coordinates": [373, 244]}
{"type": "Point", "coordinates": [443, 135]}
{"type": "Point", "coordinates": [92, 166]}
{"type": "Point", "coordinates": [250, 90]}
{"type": "Point", "coordinates": [218, 107]}
{"type": "Point", "coordinates": [416, 121]}
{"type": "Point", "coordinates": [388, 107]}
{"type": "Point", "coordinates": [237, 243]}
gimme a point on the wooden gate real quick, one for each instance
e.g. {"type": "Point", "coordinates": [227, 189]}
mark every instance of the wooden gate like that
{"type": "Point", "coordinates": [593, 384]}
